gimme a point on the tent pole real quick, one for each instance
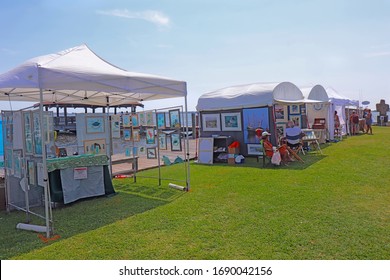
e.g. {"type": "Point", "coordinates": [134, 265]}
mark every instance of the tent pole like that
{"type": "Point", "coordinates": [187, 159]}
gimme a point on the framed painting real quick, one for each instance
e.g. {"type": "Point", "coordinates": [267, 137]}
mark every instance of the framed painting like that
{"type": "Point", "coordinates": [127, 134]}
{"type": "Point", "coordinates": [94, 124]}
{"type": "Point", "coordinates": [95, 146]}
{"type": "Point", "coordinates": [17, 158]}
{"type": "Point", "coordinates": [231, 121]}
{"type": "Point", "coordinates": [280, 113]}
{"type": "Point", "coordinates": [281, 129]}
{"type": "Point", "coordinates": [174, 118]}
{"type": "Point", "coordinates": [151, 153]}
{"type": "Point", "coordinates": [175, 142]}
{"type": "Point", "coordinates": [149, 118]}
{"type": "Point", "coordinates": [141, 118]}
{"type": "Point", "coordinates": [142, 150]}
{"type": "Point", "coordinates": [160, 120]}
{"type": "Point", "coordinates": [150, 139]}
{"type": "Point", "coordinates": [294, 109]}
{"type": "Point", "coordinates": [126, 120]}
{"type": "Point", "coordinates": [28, 140]}
{"type": "Point", "coordinates": [134, 120]}
{"type": "Point", "coordinates": [37, 137]}
{"type": "Point", "coordinates": [136, 135]}
{"type": "Point", "coordinates": [296, 120]}
{"type": "Point", "coordinates": [255, 121]}
{"type": "Point", "coordinates": [31, 172]}
{"type": "Point", "coordinates": [211, 122]}
{"type": "Point", "coordinates": [255, 149]}
{"type": "Point", "coordinates": [162, 141]}
{"type": "Point", "coordinates": [116, 126]}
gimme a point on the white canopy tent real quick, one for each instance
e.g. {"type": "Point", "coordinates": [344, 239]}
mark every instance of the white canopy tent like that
{"type": "Point", "coordinates": [329, 102]}
{"type": "Point", "coordinates": [250, 96]}
{"type": "Point", "coordinates": [78, 75]}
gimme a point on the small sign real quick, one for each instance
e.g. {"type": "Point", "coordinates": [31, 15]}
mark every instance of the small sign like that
{"type": "Point", "coordinates": [80, 173]}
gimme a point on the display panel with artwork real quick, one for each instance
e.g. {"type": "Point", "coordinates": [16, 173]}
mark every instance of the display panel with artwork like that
{"type": "Point", "coordinates": [95, 146]}
{"type": "Point", "coordinates": [162, 141]}
{"type": "Point", "coordinates": [151, 153]}
{"type": "Point", "coordinates": [160, 120]}
{"type": "Point", "coordinates": [150, 139]}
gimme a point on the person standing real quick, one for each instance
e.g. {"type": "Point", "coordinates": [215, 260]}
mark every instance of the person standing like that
{"type": "Point", "coordinates": [354, 121]}
{"type": "Point", "coordinates": [369, 121]}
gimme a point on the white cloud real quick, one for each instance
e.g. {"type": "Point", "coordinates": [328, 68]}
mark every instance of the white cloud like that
{"type": "Point", "coordinates": [156, 17]}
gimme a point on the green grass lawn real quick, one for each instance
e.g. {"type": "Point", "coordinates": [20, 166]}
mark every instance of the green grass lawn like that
{"type": "Point", "coordinates": [334, 206]}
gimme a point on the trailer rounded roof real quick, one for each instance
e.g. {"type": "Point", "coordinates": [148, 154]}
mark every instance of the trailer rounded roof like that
{"type": "Point", "coordinates": [250, 95]}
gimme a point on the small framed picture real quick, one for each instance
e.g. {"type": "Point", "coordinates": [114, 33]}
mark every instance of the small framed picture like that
{"type": "Point", "coordinates": [160, 120]}
{"type": "Point", "coordinates": [95, 124]}
{"type": "Point", "coordinates": [211, 122]}
{"type": "Point", "coordinates": [296, 120]}
{"type": "Point", "coordinates": [231, 121]}
{"type": "Point", "coordinates": [95, 146]}
{"type": "Point", "coordinates": [149, 118]}
{"type": "Point", "coordinates": [136, 135]}
{"type": "Point", "coordinates": [162, 141]}
{"type": "Point", "coordinates": [134, 119]}
{"type": "Point", "coordinates": [127, 134]}
{"type": "Point", "coordinates": [151, 153]}
{"type": "Point", "coordinates": [174, 118]}
{"type": "Point", "coordinates": [175, 142]}
{"type": "Point", "coordinates": [126, 120]}
{"type": "Point", "coordinates": [255, 149]}
{"type": "Point", "coordinates": [150, 139]}
{"type": "Point", "coordinates": [294, 109]}
{"type": "Point", "coordinates": [31, 172]}
{"type": "Point", "coordinates": [280, 113]}
{"type": "Point", "coordinates": [281, 129]}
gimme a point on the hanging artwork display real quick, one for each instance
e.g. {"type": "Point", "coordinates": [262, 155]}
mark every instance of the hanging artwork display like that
{"type": "Point", "coordinates": [95, 124]}
{"type": "Point", "coordinates": [141, 118]}
{"type": "Point", "coordinates": [162, 141]}
{"type": "Point", "coordinates": [211, 122]}
{"type": "Point", "coordinates": [116, 126]}
{"type": "Point", "coordinates": [151, 153]}
{"type": "Point", "coordinates": [256, 121]}
{"type": "Point", "coordinates": [175, 142]}
{"type": "Point", "coordinates": [31, 172]}
{"type": "Point", "coordinates": [174, 118]}
{"type": "Point", "coordinates": [37, 134]}
{"type": "Point", "coordinates": [280, 113]}
{"type": "Point", "coordinates": [28, 139]}
{"type": "Point", "coordinates": [126, 120]}
{"type": "Point", "coordinates": [150, 139]}
{"type": "Point", "coordinates": [136, 135]}
{"type": "Point", "coordinates": [127, 134]}
{"type": "Point", "coordinates": [149, 118]}
{"type": "Point", "coordinates": [160, 120]}
{"type": "Point", "coordinates": [95, 146]}
{"type": "Point", "coordinates": [231, 121]}
{"type": "Point", "coordinates": [17, 160]}
{"type": "Point", "coordinates": [134, 120]}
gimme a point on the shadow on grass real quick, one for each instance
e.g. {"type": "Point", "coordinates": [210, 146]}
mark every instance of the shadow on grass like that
{"type": "Point", "coordinates": [82, 216]}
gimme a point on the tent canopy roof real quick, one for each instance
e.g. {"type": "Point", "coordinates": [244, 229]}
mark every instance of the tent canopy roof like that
{"type": "Point", "coordinates": [317, 93]}
{"type": "Point", "coordinates": [78, 75]}
{"type": "Point", "coordinates": [339, 99]}
{"type": "Point", "coordinates": [251, 95]}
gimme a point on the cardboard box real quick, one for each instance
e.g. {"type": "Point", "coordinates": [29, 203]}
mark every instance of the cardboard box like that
{"type": "Point", "coordinates": [234, 151]}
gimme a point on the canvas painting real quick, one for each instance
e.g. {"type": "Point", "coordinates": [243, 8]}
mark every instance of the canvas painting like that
{"type": "Point", "coordinates": [255, 120]}
{"type": "Point", "coordinates": [95, 124]}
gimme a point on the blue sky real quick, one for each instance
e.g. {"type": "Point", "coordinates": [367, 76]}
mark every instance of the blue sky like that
{"type": "Point", "coordinates": [212, 44]}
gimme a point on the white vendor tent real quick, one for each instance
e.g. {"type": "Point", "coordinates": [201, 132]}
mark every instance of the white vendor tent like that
{"type": "Point", "coordinates": [329, 102]}
{"type": "Point", "coordinates": [250, 96]}
{"type": "Point", "coordinates": [78, 75]}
